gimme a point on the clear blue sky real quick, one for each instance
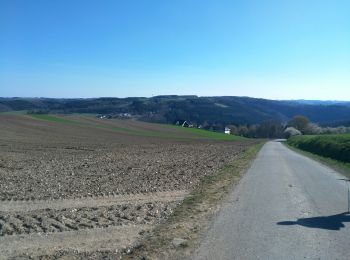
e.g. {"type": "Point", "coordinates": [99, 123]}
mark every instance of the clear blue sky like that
{"type": "Point", "coordinates": [84, 48]}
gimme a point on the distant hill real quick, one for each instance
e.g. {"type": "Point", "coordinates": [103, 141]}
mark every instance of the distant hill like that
{"type": "Point", "coordinates": [320, 102]}
{"type": "Point", "coordinates": [199, 110]}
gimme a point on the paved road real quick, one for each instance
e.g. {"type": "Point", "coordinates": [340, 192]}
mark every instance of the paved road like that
{"type": "Point", "coordinates": [286, 207]}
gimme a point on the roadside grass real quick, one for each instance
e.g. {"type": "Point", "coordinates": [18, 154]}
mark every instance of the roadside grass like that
{"type": "Point", "coordinates": [191, 218]}
{"type": "Point", "coordinates": [342, 167]}
{"type": "Point", "coordinates": [183, 133]}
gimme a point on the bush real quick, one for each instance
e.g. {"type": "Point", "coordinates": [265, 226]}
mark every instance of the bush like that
{"type": "Point", "coordinates": [333, 146]}
{"type": "Point", "coordinates": [291, 131]}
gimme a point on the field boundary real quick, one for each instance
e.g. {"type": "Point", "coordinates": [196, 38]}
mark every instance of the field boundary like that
{"type": "Point", "coordinates": [341, 167]}
{"type": "Point", "coordinates": [191, 218]}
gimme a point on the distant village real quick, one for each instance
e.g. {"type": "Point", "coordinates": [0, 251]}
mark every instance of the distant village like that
{"type": "Point", "coordinates": [227, 130]}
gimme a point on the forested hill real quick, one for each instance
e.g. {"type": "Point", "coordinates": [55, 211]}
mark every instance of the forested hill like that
{"type": "Point", "coordinates": [198, 110]}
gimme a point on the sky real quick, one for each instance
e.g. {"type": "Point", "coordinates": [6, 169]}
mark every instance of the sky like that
{"type": "Point", "coordinates": [275, 49]}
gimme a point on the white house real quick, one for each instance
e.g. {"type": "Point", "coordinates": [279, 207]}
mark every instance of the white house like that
{"type": "Point", "coordinates": [227, 130]}
{"type": "Point", "coordinates": [185, 124]}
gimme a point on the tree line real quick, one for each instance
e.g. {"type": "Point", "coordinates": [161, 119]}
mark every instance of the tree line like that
{"type": "Point", "coordinates": [298, 125]}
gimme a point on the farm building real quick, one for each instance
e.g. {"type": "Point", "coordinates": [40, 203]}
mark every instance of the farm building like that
{"type": "Point", "coordinates": [185, 124]}
{"type": "Point", "coordinates": [182, 123]}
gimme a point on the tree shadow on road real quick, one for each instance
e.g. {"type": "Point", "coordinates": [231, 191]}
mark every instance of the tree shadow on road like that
{"type": "Point", "coordinates": [333, 222]}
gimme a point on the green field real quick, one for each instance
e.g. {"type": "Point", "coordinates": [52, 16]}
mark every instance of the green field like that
{"type": "Point", "coordinates": [207, 134]}
{"type": "Point", "coordinates": [332, 146]}
{"type": "Point", "coordinates": [160, 130]}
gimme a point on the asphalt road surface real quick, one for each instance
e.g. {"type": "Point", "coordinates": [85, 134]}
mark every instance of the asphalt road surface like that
{"type": "Point", "coordinates": [287, 206]}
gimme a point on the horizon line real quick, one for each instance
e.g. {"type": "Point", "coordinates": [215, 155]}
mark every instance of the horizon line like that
{"type": "Point", "coordinates": [187, 95]}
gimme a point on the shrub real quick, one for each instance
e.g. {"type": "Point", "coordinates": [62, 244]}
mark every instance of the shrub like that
{"type": "Point", "coordinates": [333, 146]}
{"type": "Point", "coordinates": [291, 131]}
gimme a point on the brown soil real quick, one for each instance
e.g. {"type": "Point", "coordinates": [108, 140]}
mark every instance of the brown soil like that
{"type": "Point", "coordinates": [47, 162]}
{"type": "Point", "coordinates": [50, 220]}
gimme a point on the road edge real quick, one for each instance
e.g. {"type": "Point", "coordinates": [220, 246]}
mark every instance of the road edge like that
{"type": "Point", "coordinates": [178, 237]}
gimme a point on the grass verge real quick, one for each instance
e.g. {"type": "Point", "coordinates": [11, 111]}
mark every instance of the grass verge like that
{"type": "Point", "coordinates": [343, 168]}
{"type": "Point", "coordinates": [190, 219]}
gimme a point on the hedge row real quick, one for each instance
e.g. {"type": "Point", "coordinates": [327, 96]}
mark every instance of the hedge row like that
{"type": "Point", "coordinates": [333, 146]}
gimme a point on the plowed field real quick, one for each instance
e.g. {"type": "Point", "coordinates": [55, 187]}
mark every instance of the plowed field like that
{"type": "Point", "coordinates": [64, 175]}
